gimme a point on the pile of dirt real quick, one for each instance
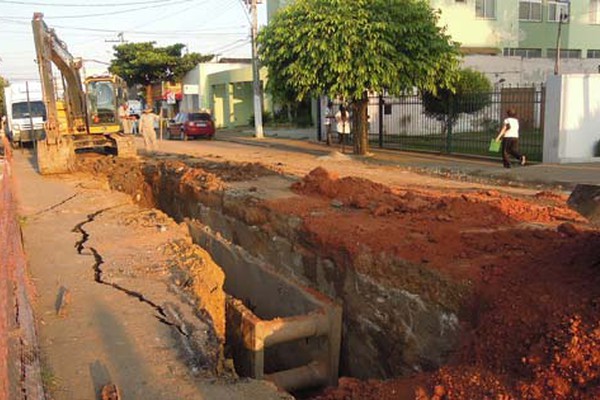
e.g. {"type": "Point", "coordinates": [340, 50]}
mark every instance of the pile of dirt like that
{"type": "Point", "coordinates": [531, 323]}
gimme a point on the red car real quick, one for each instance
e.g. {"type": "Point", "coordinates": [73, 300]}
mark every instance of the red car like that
{"type": "Point", "coordinates": [191, 125]}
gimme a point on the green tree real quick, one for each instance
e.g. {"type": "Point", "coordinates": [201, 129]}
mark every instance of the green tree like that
{"type": "Point", "coordinates": [145, 64]}
{"type": "Point", "coordinates": [345, 49]}
{"type": "Point", "coordinates": [470, 94]}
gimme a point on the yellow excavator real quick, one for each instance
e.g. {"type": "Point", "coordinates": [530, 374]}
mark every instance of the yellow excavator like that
{"type": "Point", "coordinates": [82, 119]}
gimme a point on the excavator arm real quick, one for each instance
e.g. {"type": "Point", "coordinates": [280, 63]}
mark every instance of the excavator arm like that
{"type": "Point", "coordinates": [56, 153]}
{"type": "Point", "coordinates": [51, 50]}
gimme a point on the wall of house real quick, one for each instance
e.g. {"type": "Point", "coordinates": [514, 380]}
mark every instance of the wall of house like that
{"type": "Point", "coordinates": [230, 96]}
{"type": "Point", "coordinates": [571, 131]}
{"type": "Point", "coordinates": [470, 31]}
{"type": "Point", "coordinates": [576, 34]}
{"type": "Point", "coordinates": [200, 76]}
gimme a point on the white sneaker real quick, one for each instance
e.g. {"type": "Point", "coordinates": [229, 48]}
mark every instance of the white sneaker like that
{"type": "Point", "coordinates": [523, 160]}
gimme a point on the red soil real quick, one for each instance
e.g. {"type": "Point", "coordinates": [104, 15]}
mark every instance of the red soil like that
{"type": "Point", "coordinates": [532, 328]}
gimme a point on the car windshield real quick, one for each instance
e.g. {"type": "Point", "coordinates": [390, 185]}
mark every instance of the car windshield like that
{"type": "Point", "coordinates": [21, 110]}
{"type": "Point", "coordinates": [199, 117]}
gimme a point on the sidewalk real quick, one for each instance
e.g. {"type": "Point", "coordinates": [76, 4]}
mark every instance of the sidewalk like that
{"type": "Point", "coordinates": [558, 176]}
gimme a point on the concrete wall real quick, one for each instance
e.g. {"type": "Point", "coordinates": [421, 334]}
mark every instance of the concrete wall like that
{"type": "Point", "coordinates": [523, 71]}
{"type": "Point", "coordinates": [572, 124]}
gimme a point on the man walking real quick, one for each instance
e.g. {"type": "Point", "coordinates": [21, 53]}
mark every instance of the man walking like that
{"type": "Point", "coordinates": [146, 125]}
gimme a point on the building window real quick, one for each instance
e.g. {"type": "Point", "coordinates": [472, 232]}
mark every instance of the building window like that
{"type": "Point", "coordinates": [485, 9]}
{"type": "Point", "coordinates": [594, 11]}
{"type": "Point", "coordinates": [530, 10]}
{"type": "Point", "coordinates": [556, 10]}
{"type": "Point", "coordinates": [564, 53]}
{"type": "Point", "coordinates": [521, 52]}
{"type": "Point", "coordinates": [593, 54]}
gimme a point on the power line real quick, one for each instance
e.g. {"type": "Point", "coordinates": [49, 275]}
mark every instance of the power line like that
{"type": "Point", "coordinates": [136, 9]}
{"type": "Point", "coordinates": [83, 5]}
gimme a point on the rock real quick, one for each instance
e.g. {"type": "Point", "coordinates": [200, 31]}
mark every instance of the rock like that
{"type": "Point", "coordinates": [336, 204]}
{"type": "Point", "coordinates": [585, 199]}
{"type": "Point", "coordinates": [110, 392]}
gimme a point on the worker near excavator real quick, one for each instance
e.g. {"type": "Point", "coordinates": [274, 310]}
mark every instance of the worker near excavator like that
{"type": "Point", "coordinates": [146, 126]}
{"type": "Point", "coordinates": [125, 118]}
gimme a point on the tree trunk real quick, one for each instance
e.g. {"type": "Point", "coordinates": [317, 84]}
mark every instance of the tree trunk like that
{"type": "Point", "coordinates": [361, 125]}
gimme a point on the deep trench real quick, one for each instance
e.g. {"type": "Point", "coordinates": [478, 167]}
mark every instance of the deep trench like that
{"type": "Point", "coordinates": [389, 330]}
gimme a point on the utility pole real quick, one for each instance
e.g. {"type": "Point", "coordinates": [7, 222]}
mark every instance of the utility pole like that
{"type": "Point", "coordinates": [562, 18]}
{"type": "Point", "coordinates": [258, 123]}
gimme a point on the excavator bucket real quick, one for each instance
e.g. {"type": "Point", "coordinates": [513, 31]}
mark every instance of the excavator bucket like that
{"type": "Point", "coordinates": [585, 199]}
{"type": "Point", "coordinates": [56, 158]}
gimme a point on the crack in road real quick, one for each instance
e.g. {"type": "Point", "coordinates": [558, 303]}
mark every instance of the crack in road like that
{"type": "Point", "coordinates": [52, 207]}
{"type": "Point", "coordinates": [98, 261]}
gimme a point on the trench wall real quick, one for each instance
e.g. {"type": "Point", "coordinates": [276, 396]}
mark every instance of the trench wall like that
{"type": "Point", "coordinates": [387, 330]}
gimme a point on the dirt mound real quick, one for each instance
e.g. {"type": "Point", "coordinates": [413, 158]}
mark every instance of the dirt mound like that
{"type": "Point", "coordinates": [533, 265]}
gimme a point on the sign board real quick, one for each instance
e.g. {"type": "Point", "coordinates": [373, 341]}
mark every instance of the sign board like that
{"type": "Point", "coordinates": [171, 98]}
{"type": "Point", "coordinates": [190, 89]}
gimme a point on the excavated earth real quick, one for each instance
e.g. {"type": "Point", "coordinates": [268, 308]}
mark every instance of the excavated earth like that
{"type": "Point", "coordinates": [446, 295]}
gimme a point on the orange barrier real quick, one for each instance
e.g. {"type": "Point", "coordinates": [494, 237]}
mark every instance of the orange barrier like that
{"type": "Point", "coordinates": [19, 356]}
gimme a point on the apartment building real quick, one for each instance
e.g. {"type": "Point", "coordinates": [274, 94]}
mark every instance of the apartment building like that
{"type": "Point", "coordinates": [523, 28]}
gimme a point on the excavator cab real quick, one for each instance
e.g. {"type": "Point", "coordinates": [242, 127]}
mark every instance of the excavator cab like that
{"type": "Point", "coordinates": [104, 96]}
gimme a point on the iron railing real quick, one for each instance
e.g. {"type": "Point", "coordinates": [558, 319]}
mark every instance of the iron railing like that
{"type": "Point", "coordinates": [402, 122]}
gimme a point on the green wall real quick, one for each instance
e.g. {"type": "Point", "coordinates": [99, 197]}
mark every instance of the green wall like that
{"type": "Point", "coordinates": [577, 34]}
{"type": "Point", "coordinates": [232, 96]}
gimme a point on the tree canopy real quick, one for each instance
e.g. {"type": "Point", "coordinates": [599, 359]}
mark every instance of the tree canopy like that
{"type": "Point", "coordinates": [471, 93]}
{"type": "Point", "coordinates": [3, 84]}
{"type": "Point", "coordinates": [143, 63]}
{"type": "Point", "coordinates": [344, 49]}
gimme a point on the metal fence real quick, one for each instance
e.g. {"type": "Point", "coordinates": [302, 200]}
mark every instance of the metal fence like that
{"type": "Point", "coordinates": [402, 122]}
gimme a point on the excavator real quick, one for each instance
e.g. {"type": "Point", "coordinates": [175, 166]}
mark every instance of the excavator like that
{"type": "Point", "coordinates": [81, 119]}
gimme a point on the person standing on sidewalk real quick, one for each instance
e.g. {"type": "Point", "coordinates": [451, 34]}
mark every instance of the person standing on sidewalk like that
{"type": "Point", "coordinates": [125, 118]}
{"type": "Point", "coordinates": [510, 139]}
{"type": "Point", "coordinates": [147, 129]}
{"type": "Point", "coordinates": [342, 119]}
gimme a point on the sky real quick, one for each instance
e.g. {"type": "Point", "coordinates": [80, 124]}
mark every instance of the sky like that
{"type": "Point", "coordinates": [91, 28]}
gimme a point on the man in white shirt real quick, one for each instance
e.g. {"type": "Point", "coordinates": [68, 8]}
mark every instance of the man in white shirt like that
{"type": "Point", "coordinates": [510, 139]}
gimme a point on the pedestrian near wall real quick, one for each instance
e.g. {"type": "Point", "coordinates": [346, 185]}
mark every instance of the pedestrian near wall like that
{"type": "Point", "coordinates": [342, 119]}
{"type": "Point", "coordinates": [146, 125]}
{"type": "Point", "coordinates": [510, 139]}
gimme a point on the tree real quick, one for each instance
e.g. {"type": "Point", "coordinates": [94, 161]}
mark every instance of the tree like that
{"type": "Point", "coordinates": [345, 49]}
{"type": "Point", "coordinates": [3, 84]}
{"type": "Point", "coordinates": [145, 64]}
{"type": "Point", "coordinates": [471, 93]}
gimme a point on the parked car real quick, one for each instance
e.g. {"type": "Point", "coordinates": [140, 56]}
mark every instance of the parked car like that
{"type": "Point", "coordinates": [191, 125]}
